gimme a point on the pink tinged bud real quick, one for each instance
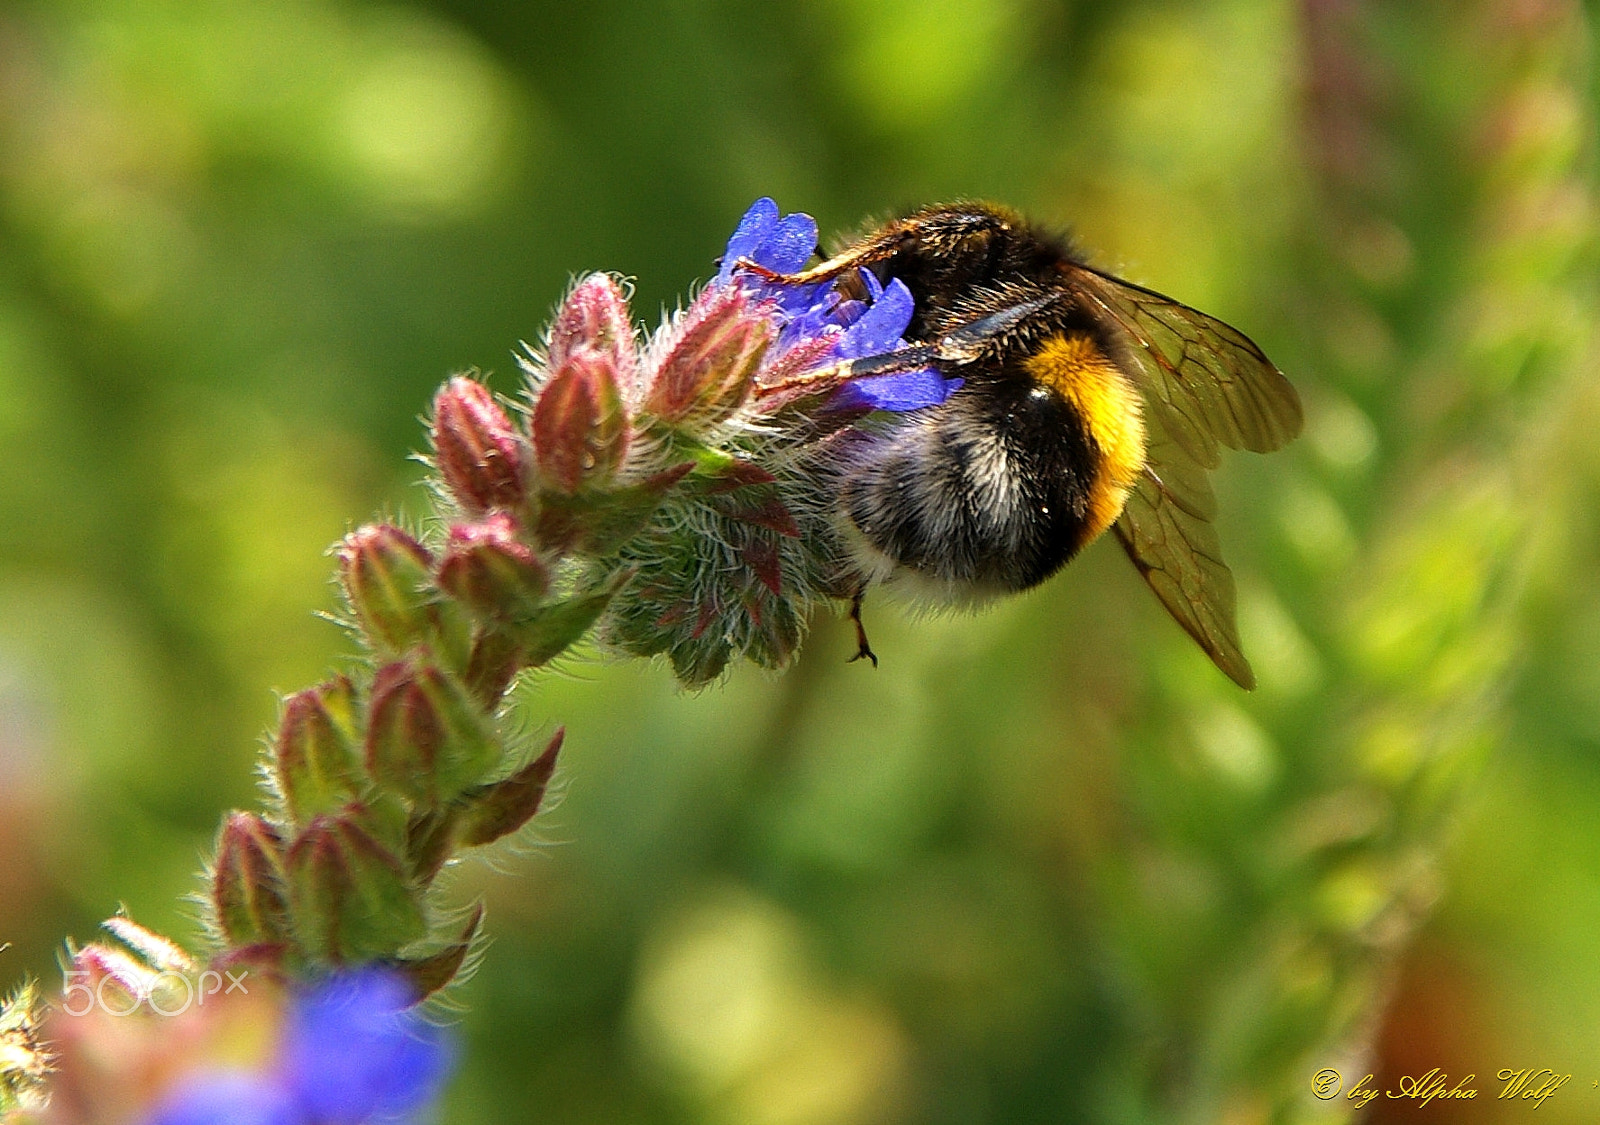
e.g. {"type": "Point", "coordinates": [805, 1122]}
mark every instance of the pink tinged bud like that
{"type": "Point", "coordinates": [580, 427]}
{"type": "Point", "coordinates": [428, 975]}
{"type": "Point", "coordinates": [561, 625]}
{"type": "Point", "coordinates": [496, 660]}
{"type": "Point", "coordinates": [707, 372]}
{"type": "Point", "coordinates": [595, 318]}
{"type": "Point", "coordinates": [431, 839]}
{"type": "Point", "coordinates": [130, 981]}
{"type": "Point", "coordinates": [480, 454]}
{"type": "Point", "coordinates": [387, 577]}
{"type": "Point", "coordinates": [487, 567]}
{"type": "Point", "coordinates": [160, 953]}
{"type": "Point", "coordinates": [352, 899]}
{"type": "Point", "coordinates": [599, 524]}
{"type": "Point", "coordinates": [497, 810]}
{"type": "Point", "coordinates": [247, 887]}
{"type": "Point", "coordinates": [800, 372]}
{"type": "Point", "coordinates": [427, 740]}
{"type": "Point", "coordinates": [315, 753]}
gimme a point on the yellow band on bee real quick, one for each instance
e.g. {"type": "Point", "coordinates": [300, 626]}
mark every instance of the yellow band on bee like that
{"type": "Point", "coordinates": [1112, 412]}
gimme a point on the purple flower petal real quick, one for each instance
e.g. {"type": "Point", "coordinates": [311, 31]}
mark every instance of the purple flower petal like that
{"type": "Point", "coordinates": [904, 390]}
{"type": "Point", "coordinates": [754, 228]}
{"type": "Point", "coordinates": [790, 246]}
{"type": "Point", "coordinates": [356, 1050]}
{"type": "Point", "coordinates": [859, 328]}
{"type": "Point", "coordinates": [880, 328]}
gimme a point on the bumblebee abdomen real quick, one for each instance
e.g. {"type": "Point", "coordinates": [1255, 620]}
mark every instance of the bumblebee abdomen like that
{"type": "Point", "coordinates": [988, 493]}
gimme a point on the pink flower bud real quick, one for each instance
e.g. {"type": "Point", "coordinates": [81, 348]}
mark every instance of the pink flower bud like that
{"type": "Point", "coordinates": [131, 982]}
{"type": "Point", "coordinates": [426, 738]}
{"type": "Point", "coordinates": [707, 372]}
{"type": "Point", "coordinates": [387, 577]}
{"type": "Point", "coordinates": [159, 952]}
{"type": "Point", "coordinates": [580, 427]}
{"type": "Point", "coordinates": [489, 568]}
{"type": "Point", "coordinates": [352, 898]}
{"type": "Point", "coordinates": [314, 754]}
{"type": "Point", "coordinates": [480, 454]}
{"type": "Point", "coordinates": [247, 887]}
{"type": "Point", "coordinates": [595, 318]}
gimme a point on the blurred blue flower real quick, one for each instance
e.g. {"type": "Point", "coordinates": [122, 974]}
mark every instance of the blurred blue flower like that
{"type": "Point", "coordinates": [355, 1052]}
{"type": "Point", "coordinates": [785, 243]}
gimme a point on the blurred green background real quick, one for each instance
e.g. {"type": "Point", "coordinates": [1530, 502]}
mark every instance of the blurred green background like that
{"type": "Point", "coordinates": [1045, 865]}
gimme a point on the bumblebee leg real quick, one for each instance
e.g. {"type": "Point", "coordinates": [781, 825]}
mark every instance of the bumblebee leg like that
{"type": "Point", "coordinates": [863, 649]}
{"type": "Point", "coordinates": [875, 249]}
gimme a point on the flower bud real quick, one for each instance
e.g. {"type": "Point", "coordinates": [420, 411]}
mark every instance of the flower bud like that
{"type": "Point", "coordinates": [480, 454]}
{"type": "Point", "coordinates": [598, 523]}
{"type": "Point", "coordinates": [560, 625]}
{"type": "Point", "coordinates": [707, 372]}
{"type": "Point", "coordinates": [496, 659]}
{"type": "Point", "coordinates": [99, 965]}
{"type": "Point", "coordinates": [426, 738]}
{"type": "Point", "coordinates": [314, 755]}
{"type": "Point", "coordinates": [387, 577]}
{"type": "Point", "coordinates": [160, 953]}
{"type": "Point", "coordinates": [580, 426]}
{"type": "Point", "coordinates": [247, 883]}
{"type": "Point", "coordinates": [431, 839]}
{"type": "Point", "coordinates": [489, 568]}
{"type": "Point", "coordinates": [497, 810]}
{"type": "Point", "coordinates": [595, 318]}
{"type": "Point", "coordinates": [427, 975]}
{"type": "Point", "coordinates": [352, 899]}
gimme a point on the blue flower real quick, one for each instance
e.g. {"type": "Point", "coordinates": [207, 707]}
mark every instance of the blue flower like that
{"type": "Point", "coordinates": [229, 1098]}
{"type": "Point", "coordinates": [860, 328]}
{"type": "Point", "coordinates": [355, 1052]}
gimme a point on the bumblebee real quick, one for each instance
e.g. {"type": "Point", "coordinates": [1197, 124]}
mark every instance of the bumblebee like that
{"type": "Point", "coordinates": [1088, 403]}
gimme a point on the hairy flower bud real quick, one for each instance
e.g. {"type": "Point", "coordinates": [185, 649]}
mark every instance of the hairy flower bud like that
{"type": "Point", "coordinates": [99, 965]}
{"type": "Point", "coordinates": [595, 318]}
{"type": "Point", "coordinates": [427, 975]}
{"type": "Point", "coordinates": [426, 738]}
{"type": "Point", "coordinates": [580, 426]}
{"type": "Point", "coordinates": [387, 577]}
{"type": "Point", "coordinates": [494, 811]}
{"type": "Point", "coordinates": [314, 754]}
{"type": "Point", "coordinates": [153, 949]}
{"type": "Point", "coordinates": [247, 886]}
{"type": "Point", "coordinates": [492, 571]}
{"type": "Point", "coordinates": [707, 371]}
{"type": "Point", "coordinates": [352, 899]}
{"type": "Point", "coordinates": [480, 454]}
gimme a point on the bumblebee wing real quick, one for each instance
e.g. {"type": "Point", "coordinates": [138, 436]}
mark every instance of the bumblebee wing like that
{"type": "Point", "coordinates": [1206, 381]}
{"type": "Point", "coordinates": [1166, 528]}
